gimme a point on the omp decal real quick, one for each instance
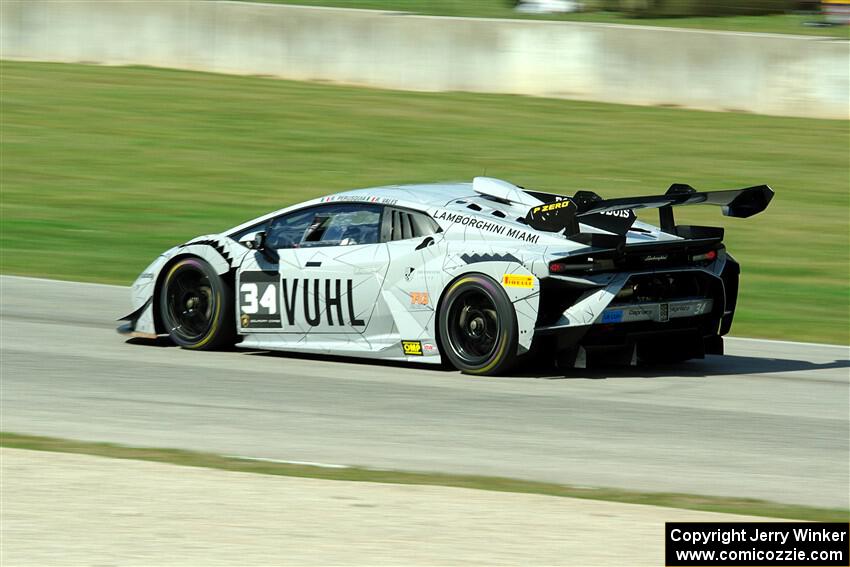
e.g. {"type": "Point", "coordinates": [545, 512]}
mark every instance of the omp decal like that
{"type": "Point", "coordinates": [517, 280]}
{"type": "Point", "coordinates": [476, 258]}
{"type": "Point", "coordinates": [412, 348]}
{"type": "Point", "coordinates": [419, 298]}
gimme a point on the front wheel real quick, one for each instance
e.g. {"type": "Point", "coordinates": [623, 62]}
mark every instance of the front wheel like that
{"type": "Point", "coordinates": [478, 328]}
{"type": "Point", "coordinates": [196, 306]}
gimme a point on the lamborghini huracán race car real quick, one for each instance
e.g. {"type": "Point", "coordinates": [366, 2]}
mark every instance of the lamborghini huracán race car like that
{"type": "Point", "coordinates": [475, 275]}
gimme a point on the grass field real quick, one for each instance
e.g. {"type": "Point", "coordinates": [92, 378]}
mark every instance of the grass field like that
{"type": "Point", "coordinates": [776, 23]}
{"type": "Point", "coordinates": [103, 168]}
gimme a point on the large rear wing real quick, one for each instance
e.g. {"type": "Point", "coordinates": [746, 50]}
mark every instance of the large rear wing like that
{"type": "Point", "coordinates": [561, 213]}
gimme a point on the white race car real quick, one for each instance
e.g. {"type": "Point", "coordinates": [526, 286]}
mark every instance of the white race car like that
{"type": "Point", "coordinates": [475, 275]}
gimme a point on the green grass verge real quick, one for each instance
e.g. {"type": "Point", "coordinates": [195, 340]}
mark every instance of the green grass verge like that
{"type": "Point", "coordinates": [101, 169]}
{"type": "Point", "coordinates": [743, 506]}
{"type": "Point", "coordinates": [777, 23]}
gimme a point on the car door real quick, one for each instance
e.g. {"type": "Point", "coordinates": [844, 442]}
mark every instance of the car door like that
{"type": "Point", "coordinates": [320, 273]}
{"type": "Point", "coordinates": [415, 278]}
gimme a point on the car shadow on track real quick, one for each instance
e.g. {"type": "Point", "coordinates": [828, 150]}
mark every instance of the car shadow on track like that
{"type": "Point", "coordinates": [725, 365]}
{"type": "Point", "coordinates": [700, 368]}
{"type": "Point", "coordinates": [165, 342]}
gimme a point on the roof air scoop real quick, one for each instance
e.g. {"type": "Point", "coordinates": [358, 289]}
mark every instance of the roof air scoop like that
{"type": "Point", "coordinates": [503, 191]}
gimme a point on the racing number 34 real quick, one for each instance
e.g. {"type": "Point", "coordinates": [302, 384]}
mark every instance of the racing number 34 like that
{"type": "Point", "coordinates": [250, 293]}
{"type": "Point", "coordinates": [258, 300]}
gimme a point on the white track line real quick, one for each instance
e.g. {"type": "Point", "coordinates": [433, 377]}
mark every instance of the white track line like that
{"type": "Point", "coordinates": [11, 277]}
{"type": "Point", "coordinates": [282, 461]}
{"type": "Point", "coordinates": [797, 343]}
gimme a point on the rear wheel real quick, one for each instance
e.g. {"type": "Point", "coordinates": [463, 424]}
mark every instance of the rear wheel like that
{"type": "Point", "coordinates": [196, 306]}
{"type": "Point", "coordinates": [478, 329]}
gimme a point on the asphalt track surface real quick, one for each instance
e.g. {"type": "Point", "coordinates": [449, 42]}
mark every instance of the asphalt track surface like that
{"type": "Point", "coordinates": [770, 420]}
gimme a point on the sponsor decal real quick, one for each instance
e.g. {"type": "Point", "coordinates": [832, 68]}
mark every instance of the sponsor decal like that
{"type": "Point", "coordinates": [412, 348]}
{"type": "Point", "coordinates": [480, 224]}
{"type": "Point", "coordinates": [429, 348]}
{"type": "Point", "coordinates": [419, 298]}
{"type": "Point", "coordinates": [657, 258]}
{"type": "Point", "coordinates": [266, 299]}
{"type": "Point", "coordinates": [640, 312]}
{"type": "Point", "coordinates": [146, 276]}
{"type": "Point", "coordinates": [664, 312]}
{"type": "Point", "coordinates": [408, 273]}
{"type": "Point", "coordinates": [624, 214]}
{"type": "Point", "coordinates": [518, 280]}
{"type": "Point", "coordinates": [615, 316]}
{"type": "Point", "coordinates": [552, 206]}
{"type": "Point", "coordinates": [245, 320]}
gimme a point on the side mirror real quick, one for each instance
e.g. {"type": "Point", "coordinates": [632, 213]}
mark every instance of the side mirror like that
{"type": "Point", "coordinates": [261, 245]}
{"type": "Point", "coordinates": [259, 242]}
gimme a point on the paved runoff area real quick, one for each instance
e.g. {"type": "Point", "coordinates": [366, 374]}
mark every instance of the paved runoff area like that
{"type": "Point", "coordinates": [65, 509]}
{"type": "Point", "coordinates": [769, 421]}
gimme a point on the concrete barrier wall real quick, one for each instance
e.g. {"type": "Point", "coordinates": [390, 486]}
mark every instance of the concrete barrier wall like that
{"type": "Point", "coordinates": [759, 73]}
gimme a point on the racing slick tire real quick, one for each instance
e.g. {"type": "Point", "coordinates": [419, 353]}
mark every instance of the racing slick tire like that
{"type": "Point", "coordinates": [196, 306]}
{"type": "Point", "coordinates": [477, 326]}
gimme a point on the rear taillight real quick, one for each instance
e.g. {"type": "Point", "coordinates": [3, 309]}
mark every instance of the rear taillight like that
{"type": "Point", "coordinates": [581, 264]}
{"type": "Point", "coordinates": [706, 257]}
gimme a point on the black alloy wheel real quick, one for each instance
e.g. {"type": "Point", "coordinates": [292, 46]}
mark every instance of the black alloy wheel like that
{"type": "Point", "coordinates": [478, 329]}
{"type": "Point", "coordinates": [196, 306]}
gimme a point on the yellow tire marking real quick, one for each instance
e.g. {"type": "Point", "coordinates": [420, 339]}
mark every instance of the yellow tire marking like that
{"type": "Point", "coordinates": [501, 346]}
